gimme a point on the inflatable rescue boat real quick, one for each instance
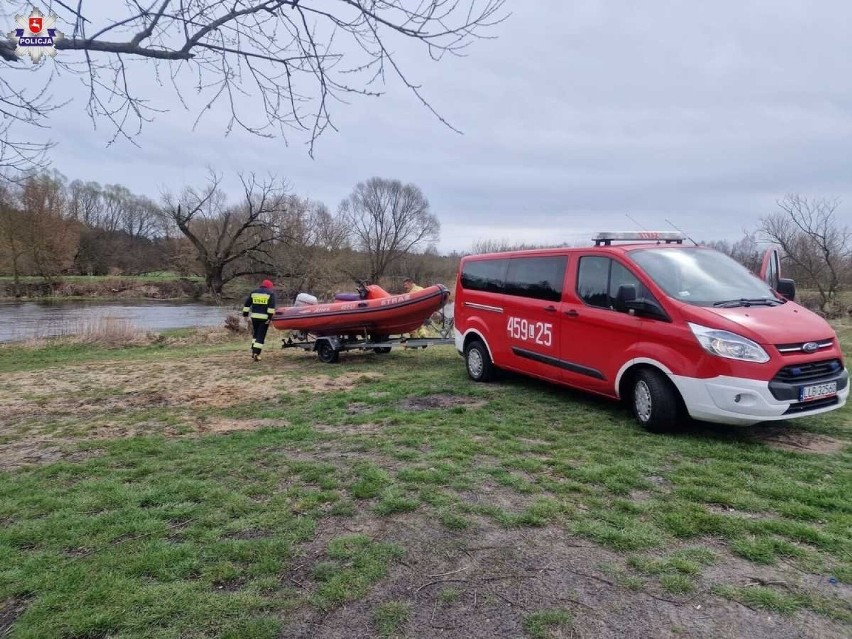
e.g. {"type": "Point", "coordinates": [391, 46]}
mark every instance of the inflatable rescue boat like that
{"type": "Point", "coordinates": [376, 313]}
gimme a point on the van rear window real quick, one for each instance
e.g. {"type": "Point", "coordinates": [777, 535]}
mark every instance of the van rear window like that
{"type": "Point", "coordinates": [484, 275]}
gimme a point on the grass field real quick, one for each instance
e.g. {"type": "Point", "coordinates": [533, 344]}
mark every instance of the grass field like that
{"type": "Point", "coordinates": [178, 490]}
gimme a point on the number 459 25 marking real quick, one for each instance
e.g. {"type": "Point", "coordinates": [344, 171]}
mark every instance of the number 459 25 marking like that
{"type": "Point", "coordinates": [537, 332]}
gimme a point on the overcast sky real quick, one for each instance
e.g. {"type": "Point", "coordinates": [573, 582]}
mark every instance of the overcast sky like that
{"type": "Point", "coordinates": [578, 114]}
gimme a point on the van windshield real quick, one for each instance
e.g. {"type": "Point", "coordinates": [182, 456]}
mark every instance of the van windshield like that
{"type": "Point", "coordinates": [704, 277]}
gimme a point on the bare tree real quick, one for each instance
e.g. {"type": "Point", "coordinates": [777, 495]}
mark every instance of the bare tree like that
{"type": "Point", "coordinates": [503, 245]}
{"type": "Point", "coordinates": [85, 202]}
{"type": "Point", "coordinates": [295, 58]}
{"type": "Point", "coordinates": [24, 111]}
{"type": "Point", "coordinates": [745, 250]}
{"type": "Point", "coordinates": [230, 241]}
{"type": "Point", "coordinates": [388, 220]}
{"type": "Point", "coordinates": [13, 244]}
{"type": "Point", "coordinates": [813, 240]}
{"type": "Point", "coordinates": [50, 237]}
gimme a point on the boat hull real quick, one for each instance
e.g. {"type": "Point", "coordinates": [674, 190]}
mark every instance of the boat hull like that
{"type": "Point", "coordinates": [379, 316]}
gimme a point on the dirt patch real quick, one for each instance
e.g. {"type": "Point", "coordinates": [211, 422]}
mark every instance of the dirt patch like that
{"type": "Point", "coordinates": [324, 383]}
{"type": "Point", "coordinates": [35, 450]}
{"type": "Point", "coordinates": [219, 425]}
{"type": "Point", "coordinates": [660, 482]}
{"type": "Point", "coordinates": [785, 438]}
{"type": "Point", "coordinates": [719, 509]}
{"type": "Point", "coordinates": [331, 453]}
{"type": "Point", "coordinates": [10, 610]}
{"type": "Point", "coordinates": [356, 408]}
{"type": "Point", "coordinates": [230, 585]}
{"type": "Point", "coordinates": [493, 494]}
{"type": "Point", "coordinates": [350, 429]}
{"type": "Point", "coordinates": [483, 582]}
{"type": "Point", "coordinates": [440, 400]}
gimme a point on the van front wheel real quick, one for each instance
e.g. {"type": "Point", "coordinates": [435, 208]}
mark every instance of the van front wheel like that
{"type": "Point", "coordinates": [655, 402]}
{"type": "Point", "coordinates": [479, 366]}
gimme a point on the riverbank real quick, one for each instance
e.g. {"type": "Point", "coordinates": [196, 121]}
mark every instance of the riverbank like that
{"type": "Point", "coordinates": [98, 287]}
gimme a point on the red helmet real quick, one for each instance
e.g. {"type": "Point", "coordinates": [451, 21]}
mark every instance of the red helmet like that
{"type": "Point", "coordinates": [266, 283]}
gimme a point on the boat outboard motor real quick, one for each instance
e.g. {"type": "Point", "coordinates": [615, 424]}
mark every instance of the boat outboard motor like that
{"type": "Point", "coordinates": [303, 299]}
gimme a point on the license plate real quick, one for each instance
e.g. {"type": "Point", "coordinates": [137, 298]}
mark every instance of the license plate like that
{"type": "Point", "coordinates": [817, 391]}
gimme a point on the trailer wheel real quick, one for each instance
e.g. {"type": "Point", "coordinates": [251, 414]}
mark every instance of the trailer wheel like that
{"type": "Point", "coordinates": [479, 366]}
{"type": "Point", "coordinates": [381, 350]}
{"type": "Point", "coordinates": [326, 352]}
{"type": "Point", "coordinates": [654, 401]}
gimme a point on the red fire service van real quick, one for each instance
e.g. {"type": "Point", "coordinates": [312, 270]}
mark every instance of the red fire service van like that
{"type": "Point", "coordinates": [673, 329]}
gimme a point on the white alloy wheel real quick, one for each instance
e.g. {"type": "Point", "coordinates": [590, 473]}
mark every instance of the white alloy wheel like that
{"type": "Point", "coordinates": [642, 401]}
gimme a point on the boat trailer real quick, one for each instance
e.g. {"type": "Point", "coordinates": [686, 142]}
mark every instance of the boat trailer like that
{"type": "Point", "coordinates": [328, 348]}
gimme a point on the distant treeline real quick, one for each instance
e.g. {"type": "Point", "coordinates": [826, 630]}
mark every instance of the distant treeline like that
{"type": "Point", "coordinates": [383, 231]}
{"type": "Point", "coordinates": [52, 230]}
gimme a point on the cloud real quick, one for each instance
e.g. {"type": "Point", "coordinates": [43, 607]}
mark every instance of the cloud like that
{"type": "Point", "coordinates": [577, 115]}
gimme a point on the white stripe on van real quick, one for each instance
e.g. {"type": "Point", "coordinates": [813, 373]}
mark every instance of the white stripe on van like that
{"type": "Point", "coordinates": [484, 307]}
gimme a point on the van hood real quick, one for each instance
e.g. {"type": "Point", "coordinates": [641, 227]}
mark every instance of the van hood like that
{"type": "Point", "coordinates": [785, 324]}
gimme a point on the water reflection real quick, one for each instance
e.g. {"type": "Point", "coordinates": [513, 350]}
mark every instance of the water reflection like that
{"type": "Point", "coordinates": [32, 320]}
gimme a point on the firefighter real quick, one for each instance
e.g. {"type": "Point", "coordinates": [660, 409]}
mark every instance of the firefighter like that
{"type": "Point", "coordinates": [411, 287]}
{"type": "Point", "coordinates": [260, 306]}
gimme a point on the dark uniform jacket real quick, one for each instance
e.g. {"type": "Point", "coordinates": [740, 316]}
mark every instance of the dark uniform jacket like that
{"type": "Point", "coordinates": [260, 304]}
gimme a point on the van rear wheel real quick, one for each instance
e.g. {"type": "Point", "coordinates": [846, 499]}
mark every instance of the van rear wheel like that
{"type": "Point", "coordinates": [654, 401]}
{"type": "Point", "coordinates": [479, 366]}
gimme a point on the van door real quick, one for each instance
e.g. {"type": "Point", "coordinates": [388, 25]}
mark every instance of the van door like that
{"type": "Point", "coordinates": [770, 270]}
{"type": "Point", "coordinates": [532, 303]}
{"type": "Point", "coordinates": [595, 337]}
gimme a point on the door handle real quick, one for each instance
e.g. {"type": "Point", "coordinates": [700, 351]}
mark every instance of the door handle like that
{"type": "Point", "coordinates": [572, 313]}
{"type": "Point", "coordinates": [550, 309]}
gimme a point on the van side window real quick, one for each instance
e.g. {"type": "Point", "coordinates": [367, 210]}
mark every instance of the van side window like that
{"type": "Point", "coordinates": [619, 275]}
{"type": "Point", "coordinates": [593, 281]}
{"type": "Point", "coordinates": [598, 280]}
{"type": "Point", "coordinates": [484, 275]}
{"type": "Point", "coordinates": [536, 277]}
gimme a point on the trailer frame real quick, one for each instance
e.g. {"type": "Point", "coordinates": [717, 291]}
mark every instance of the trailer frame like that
{"type": "Point", "coordinates": [329, 347]}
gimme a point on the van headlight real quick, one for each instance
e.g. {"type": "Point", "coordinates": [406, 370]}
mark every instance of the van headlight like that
{"type": "Point", "coordinates": [727, 344]}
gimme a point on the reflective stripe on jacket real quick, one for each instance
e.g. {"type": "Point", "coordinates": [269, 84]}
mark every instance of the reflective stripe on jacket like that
{"type": "Point", "coordinates": [260, 304]}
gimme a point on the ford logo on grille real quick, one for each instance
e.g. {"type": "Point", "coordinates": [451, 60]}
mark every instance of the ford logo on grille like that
{"type": "Point", "coordinates": [810, 347]}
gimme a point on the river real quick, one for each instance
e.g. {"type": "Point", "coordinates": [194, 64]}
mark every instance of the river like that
{"type": "Point", "coordinates": [21, 321]}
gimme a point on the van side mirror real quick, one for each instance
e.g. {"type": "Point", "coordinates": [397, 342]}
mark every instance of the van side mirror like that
{"type": "Point", "coordinates": [647, 308]}
{"type": "Point", "coordinates": [626, 293]}
{"type": "Point", "coordinates": [787, 288]}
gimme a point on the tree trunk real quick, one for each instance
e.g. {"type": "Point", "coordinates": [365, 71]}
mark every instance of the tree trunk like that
{"type": "Point", "coordinates": [215, 281]}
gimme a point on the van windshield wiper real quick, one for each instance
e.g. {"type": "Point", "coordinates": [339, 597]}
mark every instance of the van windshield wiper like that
{"type": "Point", "coordinates": [757, 301]}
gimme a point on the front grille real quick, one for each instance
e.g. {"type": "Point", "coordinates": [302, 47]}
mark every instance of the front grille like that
{"type": "Point", "coordinates": [801, 407]}
{"type": "Point", "coordinates": [812, 371]}
{"type": "Point", "coordinates": [795, 348]}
